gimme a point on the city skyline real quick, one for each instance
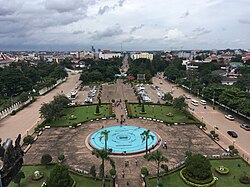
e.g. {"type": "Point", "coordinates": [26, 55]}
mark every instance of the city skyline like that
{"type": "Point", "coordinates": [136, 25]}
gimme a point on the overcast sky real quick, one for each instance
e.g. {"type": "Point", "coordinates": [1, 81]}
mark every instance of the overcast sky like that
{"type": "Point", "coordinates": [132, 24]}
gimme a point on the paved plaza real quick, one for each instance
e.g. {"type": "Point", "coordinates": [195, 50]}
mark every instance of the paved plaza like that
{"type": "Point", "coordinates": [72, 142]}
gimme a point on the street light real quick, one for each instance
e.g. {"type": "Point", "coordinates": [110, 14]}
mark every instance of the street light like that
{"type": "Point", "coordinates": [213, 98]}
{"type": "Point", "coordinates": [234, 141]}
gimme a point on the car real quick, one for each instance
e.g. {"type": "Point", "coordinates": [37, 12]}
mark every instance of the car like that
{"type": "Point", "coordinates": [232, 133]}
{"type": "Point", "coordinates": [229, 117]}
{"type": "Point", "coordinates": [187, 96]}
{"type": "Point", "coordinates": [245, 126]}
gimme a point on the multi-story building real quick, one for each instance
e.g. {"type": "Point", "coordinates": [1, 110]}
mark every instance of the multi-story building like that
{"type": "Point", "coordinates": [5, 60]}
{"type": "Point", "coordinates": [142, 55]}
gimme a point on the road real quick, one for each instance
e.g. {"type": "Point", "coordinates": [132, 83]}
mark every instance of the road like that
{"type": "Point", "coordinates": [125, 65]}
{"type": "Point", "coordinates": [26, 119]}
{"type": "Point", "coordinates": [213, 118]}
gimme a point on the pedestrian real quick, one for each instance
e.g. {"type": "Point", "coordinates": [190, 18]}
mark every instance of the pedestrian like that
{"type": "Point", "coordinates": [123, 174]}
{"type": "Point", "coordinates": [117, 120]}
{"type": "Point", "coordinates": [136, 162]}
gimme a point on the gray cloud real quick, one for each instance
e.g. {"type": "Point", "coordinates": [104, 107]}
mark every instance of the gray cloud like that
{"type": "Point", "coordinates": [186, 14]}
{"type": "Point", "coordinates": [121, 2]}
{"type": "Point", "coordinates": [244, 21]}
{"type": "Point", "coordinates": [104, 9]}
{"type": "Point", "coordinates": [133, 29]}
{"type": "Point", "coordinates": [108, 32]}
{"type": "Point", "coordinates": [62, 6]}
{"type": "Point", "coordinates": [107, 8]}
{"type": "Point", "coordinates": [201, 31]}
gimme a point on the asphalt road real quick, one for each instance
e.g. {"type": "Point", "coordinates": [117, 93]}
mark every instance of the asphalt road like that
{"type": "Point", "coordinates": [26, 119]}
{"type": "Point", "coordinates": [213, 118]}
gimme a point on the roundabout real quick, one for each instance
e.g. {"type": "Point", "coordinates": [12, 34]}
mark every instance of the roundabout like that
{"type": "Point", "coordinates": [123, 140]}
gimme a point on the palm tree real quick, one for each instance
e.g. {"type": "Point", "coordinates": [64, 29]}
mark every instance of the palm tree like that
{"type": "Point", "coordinates": [158, 158]}
{"type": "Point", "coordinates": [105, 135]}
{"type": "Point", "coordinates": [145, 136]}
{"type": "Point", "coordinates": [104, 155]}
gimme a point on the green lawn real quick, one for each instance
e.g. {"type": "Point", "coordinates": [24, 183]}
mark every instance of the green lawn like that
{"type": "Point", "coordinates": [81, 181]}
{"type": "Point", "coordinates": [229, 180]}
{"type": "Point", "coordinates": [160, 112]}
{"type": "Point", "coordinates": [82, 114]}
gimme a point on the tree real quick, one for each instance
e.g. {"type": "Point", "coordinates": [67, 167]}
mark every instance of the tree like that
{"type": "Point", "coordinates": [179, 103]}
{"type": "Point", "coordinates": [168, 97]}
{"type": "Point", "coordinates": [52, 111]}
{"type": "Point", "coordinates": [145, 136]}
{"type": "Point", "coordinates": [158, 158]}
{"type": "Point", "coordinates": [142, 108]}
{"type": "Point", "coordinates": [99, 102]}
{"type": "Point", "coordinates": [97, 110]}
{"type": "Point", "coordinates": [59, 177]}
{"type": "Point", "coordinates": [46, 159]}
{"type": "Point", "coordinates": [19, 176]}
{"type": "Point", "coordinates": [24, 97]}
{"type": "Point", "coordinates": [105, 135]}
{"type": "Point", "coordinates": [92, 171]}
{"type": "Point", "coordinates": [198, 167]}
{"type": "Point", "coordinates": [104, 155]}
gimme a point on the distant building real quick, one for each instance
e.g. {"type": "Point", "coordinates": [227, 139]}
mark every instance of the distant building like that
{"type": "Point", "coordinates": [183, 54]}
{"type": "Point", "coordinates": [5, 60]}
{"type": "Point", "coordinates": [106, 54]}
{"type": "Point", "coordinates": [142, 55]}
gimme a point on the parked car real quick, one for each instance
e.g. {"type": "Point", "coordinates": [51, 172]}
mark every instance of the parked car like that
{"type": "Point", "coordinates": [232, 133]}
{"type": "Point", "coordinates": [245, 126]}
{"type": "Point", "coordinates": [229, 117]}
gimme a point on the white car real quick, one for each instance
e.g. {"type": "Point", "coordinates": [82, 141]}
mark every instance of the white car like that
{"type": "Point", "coordinates": [229, 117]}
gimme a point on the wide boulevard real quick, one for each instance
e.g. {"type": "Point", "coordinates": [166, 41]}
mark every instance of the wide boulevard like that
{"type": "Point", "coordinates": [25, 120]}
{"type": "Point", "coordinates": [214, 119]}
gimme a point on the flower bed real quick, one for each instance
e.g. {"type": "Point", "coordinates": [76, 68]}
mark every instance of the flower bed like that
{"type": "Point", "coordinates": [222, 170]}
{"type": "Point", "coordinates": [197, 183]}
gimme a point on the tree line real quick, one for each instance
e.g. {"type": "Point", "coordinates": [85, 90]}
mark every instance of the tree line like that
{"type": "Point", "coordinates": [101, 70]}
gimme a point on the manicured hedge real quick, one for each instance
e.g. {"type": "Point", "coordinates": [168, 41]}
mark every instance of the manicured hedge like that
{"type": "Point", "coordinates": [224, 172]}
{"type": "Point", "coordinates": [195, 184]}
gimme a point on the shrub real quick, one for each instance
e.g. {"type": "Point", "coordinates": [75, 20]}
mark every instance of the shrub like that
{"type": "Point", "coordinates": [37, 129]}
{"type": "Point", "coordinates": [92, 171]}
{"type": "Point", "coordinates": [245, 178]}
{"type": "Point", "coordinates": [112, 172]}
{"type": "Point", "coordinates": [59, 177]}
{"type": "Point", "coordinates": [195, 183]}
{"type": "Point", "coordinates": [13, 113]}
{"type": "Point", "coordinates": [28, 140]}
{"type": "Point", "coordinates": [198, 167]}
{"type": "Point", "coordinates": [46, 159]}
{"type": "Point", "coordinates": [144, 171]}
{"type": "Point", "coordinates": [164, 167]}
{"type": "Point", "coordinates": [61, 157]}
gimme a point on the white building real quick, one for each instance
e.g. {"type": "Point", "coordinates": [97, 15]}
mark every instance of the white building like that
{"type": "Point", "coordinates": [109, 55]}
{"type": "Point", "coordinates": [142, 55]}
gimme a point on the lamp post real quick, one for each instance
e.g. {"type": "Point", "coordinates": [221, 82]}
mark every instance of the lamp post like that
{"type": "Point", "coordinates": [233, 142]}
{"type": "Point", "coordinates": [213, 98]}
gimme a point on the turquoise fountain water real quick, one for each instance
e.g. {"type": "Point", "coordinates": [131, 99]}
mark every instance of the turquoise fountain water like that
{"type": "Point", "coordinates": [123, 140]}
